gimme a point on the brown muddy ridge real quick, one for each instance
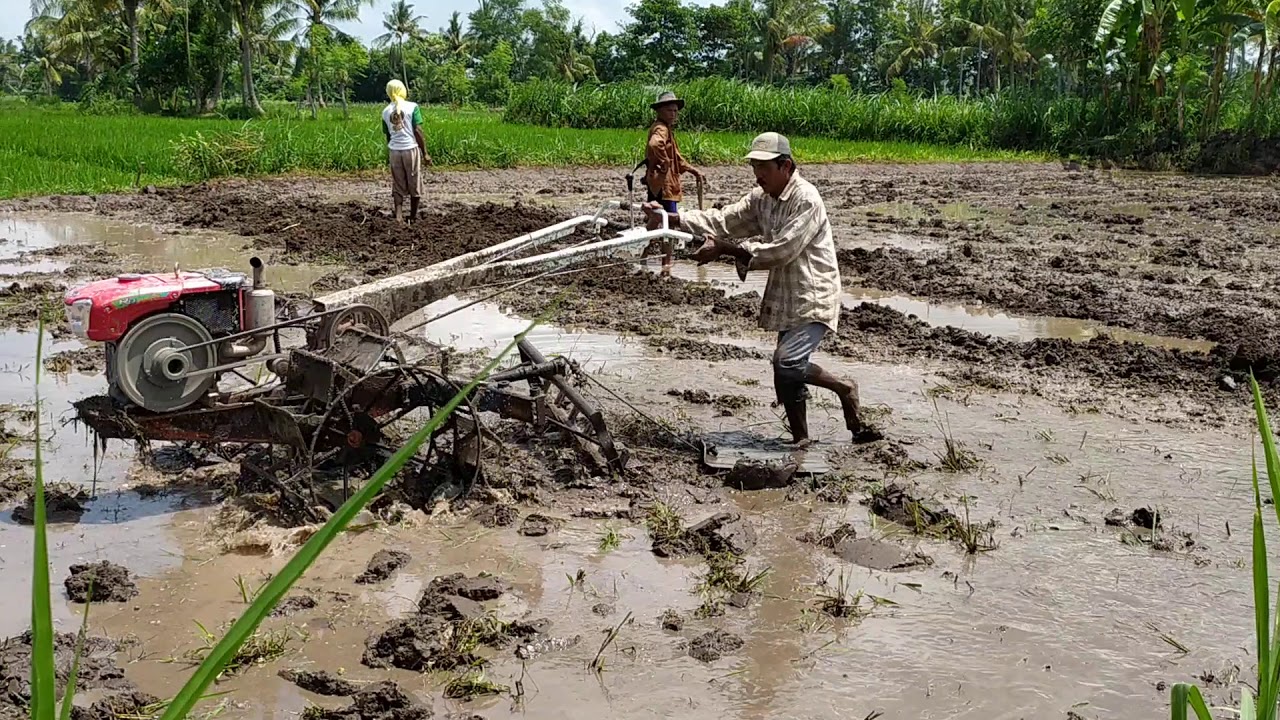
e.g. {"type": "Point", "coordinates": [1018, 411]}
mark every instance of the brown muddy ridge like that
{"type": "Point", "coordinates": [1172, 255]}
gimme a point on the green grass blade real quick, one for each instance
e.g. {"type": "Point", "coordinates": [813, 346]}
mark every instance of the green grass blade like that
{"type": "Point", "coordinates": [69, 694]}
{"type": "Point", "coordinates": [1178, 701]}
{"type": "Point", "coordinates": [1183, 696]}
{"type": "Point", "coordinates": [267, 598]}
{"type": "Point", "coordinates": [1247, 710]}
{"type": "Point", "coordinates": [1261, 604]}
{"type": "Point", "coordinates": [1268, 443]}
{"type": "Point", "coordinates": [42, 661]}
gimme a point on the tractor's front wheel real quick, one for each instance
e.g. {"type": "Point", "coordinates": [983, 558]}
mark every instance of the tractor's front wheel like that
{"type": "Point", "coordinates": [157, 369]}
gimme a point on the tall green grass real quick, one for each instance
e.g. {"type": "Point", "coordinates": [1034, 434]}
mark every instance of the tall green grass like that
{"type": "Point", "coordinates": [1259, 702]}
{"type": "Point", "coordinates": [1006, 121]}
{"type": "Point", "coordinates": [45, 150]}
{"type": "Point", "coordinates": [43, 689]}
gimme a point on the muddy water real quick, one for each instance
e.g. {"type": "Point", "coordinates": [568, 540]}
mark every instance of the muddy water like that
{"type": "Point", "coordinates": [137, 245]}
{"type": "Point", "coordinates": [117, 524]}
{"type": "Point", "coordinates": [977, 318]}
{"type": "Point", "coordinates": [1055, 619]}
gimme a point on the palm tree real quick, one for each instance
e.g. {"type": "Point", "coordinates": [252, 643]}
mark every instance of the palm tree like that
{"type": "Point", "coordinates": [257, 23]}
{"type": "Point", "coordinates": [10, 68]}
{"type": "Point", "coordinates": [317, 18]}
{"type": "Point", "coordinates": [788, 25]}
{"type": "Point", "coordinates": [40, 46]}
{"type": "Point", "coordinates": [917, 39]}
{"type": "Point", "coordinates": [401, 24]}
{"type": "Point", "coordinates": [457, 43]}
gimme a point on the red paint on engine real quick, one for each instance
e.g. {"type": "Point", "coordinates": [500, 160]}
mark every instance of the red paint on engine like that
{"type": "Point", "coordinates": [119, 301]}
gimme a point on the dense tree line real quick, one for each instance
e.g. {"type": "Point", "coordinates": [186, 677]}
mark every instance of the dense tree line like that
{"type": "Point", "coordinates": [1166, 61]}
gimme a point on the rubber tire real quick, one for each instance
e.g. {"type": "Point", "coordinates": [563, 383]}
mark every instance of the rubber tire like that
{"type": "Point", "coordinates": [160, 394]}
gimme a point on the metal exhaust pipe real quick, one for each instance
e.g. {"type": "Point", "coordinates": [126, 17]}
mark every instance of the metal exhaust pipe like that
{"type": "Point", "coordinates": [258, 267]}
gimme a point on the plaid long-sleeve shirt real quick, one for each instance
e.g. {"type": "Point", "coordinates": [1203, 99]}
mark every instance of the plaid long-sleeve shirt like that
{"type": "Point", "coordinates": [797, 249]}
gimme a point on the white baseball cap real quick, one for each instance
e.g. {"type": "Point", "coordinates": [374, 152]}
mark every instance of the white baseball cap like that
{"type": "Point", "coordinates": [768, 146]}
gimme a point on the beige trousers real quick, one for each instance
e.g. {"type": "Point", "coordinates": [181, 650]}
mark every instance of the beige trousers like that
{"type": "Point", "coordinates": [406, 174]}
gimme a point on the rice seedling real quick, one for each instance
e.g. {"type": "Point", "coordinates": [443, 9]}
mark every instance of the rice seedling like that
{"type": "Point", "coordinates": [611, 539]}
{"type": "Point", "coordinates": [729, 574]}
{"type": "Point", "coordinates": [954, 458]}
{"type": "Point", "coordinates": [837, 601]}
{"type": "Point", "coordinates": [472, 684]}
{"type": "Point", "coordinates": [975, 538]}
{"type": "Point", "coordinates": [260, 648]}
{"type": "Point", "coordinates": [663, 523]}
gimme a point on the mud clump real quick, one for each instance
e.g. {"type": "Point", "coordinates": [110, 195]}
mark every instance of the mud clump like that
{"type": "Point", "coordinates": [320, 682]}
{"type": "Point", "coordinates": [878, 554]}
{"type": "Point", "coordinates": [497, 515]}
{"type": "Point", "coordinates": [380, 701]}
{"type": "Point", "coordinates": [537, 525]}
{"type": "Point", "coordinates": [843, 532]}
{"type": "Point", "coordinates": [450, 626]}
{"type": "Point", "coordinates": [671, 620]}
{"type": "Point", "coordinates": [481, 588]}
{"type": "Point", "coordinates": [96, 669]}
{"type": "Point", "coordinates": [61, 505]}
{"type": "Point", "coordinates": [417, 644]}
{"type": "Point", "coordinates": [22, 305]}
{"type": "Point", "coordinates": [713, 645]}
{"type": "Point", "coordinates": [728, 403]}
{"type": "Point", "coordinates": [382, 565]}
{"type": "Point", "coordinates": [895, 504]}
{"type": "Point", "coordinates": [1143, 517]}
{"type": "Point", "coordinates": [88, 360]}
{"type": "Point", "coordinates": [122, 705]}
{"type": "Point", "coordinates": [721, 533]}
{"type": "Point", "coordinates": [100, 582]}
{"type": "Point", "coordinates": [363, 236]}
{"type": "Point", "coordinates": [294, 604]}
{"type": "Point", "coordinates": [760, 475]}
{"type": "Point", "coordinates": [683, 348]}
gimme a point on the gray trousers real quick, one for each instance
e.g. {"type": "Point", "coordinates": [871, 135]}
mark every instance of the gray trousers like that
{"type": "Point", "coordinates": [791, 360]}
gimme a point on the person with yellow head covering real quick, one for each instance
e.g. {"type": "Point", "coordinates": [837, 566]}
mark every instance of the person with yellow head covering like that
{"type": "Point", "coordinates": [402, 126]}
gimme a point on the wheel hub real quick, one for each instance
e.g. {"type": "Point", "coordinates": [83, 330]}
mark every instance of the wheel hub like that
{"type": "Point", "coordinates": [156, 361]}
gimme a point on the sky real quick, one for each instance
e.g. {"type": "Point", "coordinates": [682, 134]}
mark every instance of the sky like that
{"type": "Point", "coordinates": [602, 14]}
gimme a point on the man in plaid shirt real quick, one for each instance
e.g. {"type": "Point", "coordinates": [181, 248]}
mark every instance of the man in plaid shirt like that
{"type": "Point", "coordinates": [802, 297]}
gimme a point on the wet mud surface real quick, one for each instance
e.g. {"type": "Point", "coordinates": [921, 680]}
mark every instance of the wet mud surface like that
{"type": "Point", "coordinates": [998, 504]}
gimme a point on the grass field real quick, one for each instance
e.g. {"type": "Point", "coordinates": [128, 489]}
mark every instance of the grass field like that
{"type": "Point", "coordinates": [51, 150]}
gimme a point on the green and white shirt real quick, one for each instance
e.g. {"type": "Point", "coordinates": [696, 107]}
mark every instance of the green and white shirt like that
{"type": "Point", "coordinates": [398, 126]}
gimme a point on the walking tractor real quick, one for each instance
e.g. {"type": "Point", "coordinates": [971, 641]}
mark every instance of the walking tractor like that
{"type": "Point", "coordinates": [301, 391]}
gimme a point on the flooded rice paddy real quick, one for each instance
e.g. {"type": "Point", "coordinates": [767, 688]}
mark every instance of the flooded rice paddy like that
{"type": "Point", "coordinates": [1059, 614]}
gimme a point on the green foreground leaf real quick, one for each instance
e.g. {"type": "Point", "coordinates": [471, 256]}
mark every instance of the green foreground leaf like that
{"type": "Point", "coordinates": [42, 663]}
{"type": "Point", "coordinates": [268, 596]}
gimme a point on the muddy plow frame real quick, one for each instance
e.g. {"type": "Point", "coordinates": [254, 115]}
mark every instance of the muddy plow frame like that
{"type": "Point", "coordinates": [330, 400]}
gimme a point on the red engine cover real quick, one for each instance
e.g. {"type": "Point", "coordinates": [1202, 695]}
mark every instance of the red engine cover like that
{"type": "Point", "coordinates": [121, 300]}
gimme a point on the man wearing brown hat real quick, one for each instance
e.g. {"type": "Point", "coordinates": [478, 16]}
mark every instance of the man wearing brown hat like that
{"type": "Point", "coordinates": [802, 296]}
{"type": "Point", "coordinates": [662, 154]}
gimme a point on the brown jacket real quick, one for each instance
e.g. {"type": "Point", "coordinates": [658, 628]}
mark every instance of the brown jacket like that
{"type": "Point", "coordinates": [666, 165]}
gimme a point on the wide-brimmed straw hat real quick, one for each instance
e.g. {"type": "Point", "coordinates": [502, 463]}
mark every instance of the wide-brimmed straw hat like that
{"type": "Point", "coordinates": [666, 97]}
